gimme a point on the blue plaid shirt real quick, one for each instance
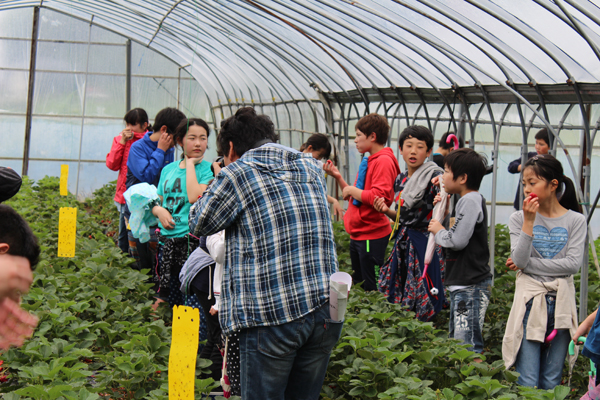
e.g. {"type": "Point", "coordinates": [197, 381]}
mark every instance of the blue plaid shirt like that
{"type": "Point", "coordinates": [279, 244]}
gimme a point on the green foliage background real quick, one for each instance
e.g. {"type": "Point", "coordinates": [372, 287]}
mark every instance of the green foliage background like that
{"type": "Point", "coordinates": [98, 337]}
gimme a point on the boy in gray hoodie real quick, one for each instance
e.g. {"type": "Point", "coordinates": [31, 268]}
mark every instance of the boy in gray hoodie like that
{"type": "Point", "coordinates": [468, 276]}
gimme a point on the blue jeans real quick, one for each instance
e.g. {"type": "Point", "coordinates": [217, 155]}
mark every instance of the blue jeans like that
{"type": "Point", "coordinates": [287, 361]}
{"type": "Point", "coordinates": [467, 312]}
{"type": "Point", "coordinates": [123, 241]}
{"type": "Point", "coordinates": [541, 365]}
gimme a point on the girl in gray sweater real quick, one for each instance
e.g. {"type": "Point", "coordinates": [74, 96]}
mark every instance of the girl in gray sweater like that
{"type": "Point", "coordinates": [547, 242]}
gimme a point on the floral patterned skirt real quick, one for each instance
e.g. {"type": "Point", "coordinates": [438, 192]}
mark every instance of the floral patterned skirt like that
{"type": "Point", "coordinates": [400, 278]}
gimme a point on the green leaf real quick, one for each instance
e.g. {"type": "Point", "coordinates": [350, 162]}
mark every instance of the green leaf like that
{"type": "Point", "coordinates": [560, 392]}
{"type": "Point", "coordinates": [365, 354]}
{"type": "Point", "coordinates": [84, 394]}
{"type": "Point", "coordinates": [511, 376]}
{"type": "Point", "coordinates": [32, 391]}
{"type": "Point", "coordinates": [58, 390]}
{"type": "Point", "coordinates": [356, 391]}
{"type": "Point", "coordinates": [426, 356]}
{"type": "Point", "coordinates": [154, 343]}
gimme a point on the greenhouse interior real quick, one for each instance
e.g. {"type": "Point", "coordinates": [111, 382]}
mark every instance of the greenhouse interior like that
{"type": "Point", "coordinates": [495, 72]}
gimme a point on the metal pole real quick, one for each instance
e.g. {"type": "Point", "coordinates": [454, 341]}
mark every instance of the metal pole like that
{"type": "Point", "coordinates": [585, 151]}
{"type": "Point", "coordinates": [128, 75]}
{"type": "Point", "coordinates": [87, 66]}
{"type": "Point", "coordinates": [32, 61]}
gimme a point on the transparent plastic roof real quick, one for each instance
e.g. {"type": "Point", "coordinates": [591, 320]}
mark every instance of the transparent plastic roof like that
{"type": "Point", "coordinates": [276, 50]}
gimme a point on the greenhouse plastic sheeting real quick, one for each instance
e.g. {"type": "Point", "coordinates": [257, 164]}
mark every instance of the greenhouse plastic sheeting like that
{"type": "Point", "coordinates": [259, 50]}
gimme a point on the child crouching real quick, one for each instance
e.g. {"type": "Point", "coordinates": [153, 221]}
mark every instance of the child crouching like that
{"type": "Point", "coordinates": [468, 276]}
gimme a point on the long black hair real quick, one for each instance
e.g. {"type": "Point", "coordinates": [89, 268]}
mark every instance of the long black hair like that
{"type": "Point", "coordinates": [549, 168]}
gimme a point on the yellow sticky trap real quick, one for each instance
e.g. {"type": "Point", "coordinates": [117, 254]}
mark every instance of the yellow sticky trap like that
{"type": "Point", "coordinates": [64, 179]}
{"type": "Point", "coordinates": [67, 228]}
{"type": "Point", "coordinates": [184, 351]}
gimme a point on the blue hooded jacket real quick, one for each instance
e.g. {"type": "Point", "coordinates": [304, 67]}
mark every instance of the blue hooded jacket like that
{"type": "Point", "coordinates": [146, 161]}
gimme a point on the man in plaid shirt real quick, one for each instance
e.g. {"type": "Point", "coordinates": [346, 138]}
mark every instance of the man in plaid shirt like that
{"type": "Point", "coordinates": [280, 253]}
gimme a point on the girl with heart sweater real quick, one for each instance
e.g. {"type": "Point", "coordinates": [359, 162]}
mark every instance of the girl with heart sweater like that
{"type": "Point", "coordinates": [547, 246]}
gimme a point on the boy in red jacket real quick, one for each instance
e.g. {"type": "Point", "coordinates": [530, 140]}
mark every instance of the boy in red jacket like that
{"type": "Point", "coordinates": [369, 230]}
{"type": "Point", "coordinates": [136, 126]}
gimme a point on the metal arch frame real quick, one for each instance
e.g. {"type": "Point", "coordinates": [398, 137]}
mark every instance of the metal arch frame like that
{"type": "Point", "coordinates": [292, 45]}
{"type": "Point", "coordinates": [493, 59]}
{"type": "Point", "coordinates": [316, 42]}
{"type": "Point", "coordinates": [280, 69]}
{"type": "Point", "coordinates": [489, 42]}
{"type": "Point", "coordinates": [584, 11]}
{"type": "Point", "coordinates": [162, 52]}
{"type": "Point", "coordinates": [583, 294]}
{"type": "Point", "coordinates": [276, 78]}
{"type": "Point", "coordinates": [207, 64]}
{"type": "Point", "coordinates": [535, 41]}
{"type": "Point", "coordinates": [391, 51]}
{"type": "Point", "coordinates": [189, 24]}
{"type": "Point", "coordinates": [486, 38]}
{"type": "Point", "coordinates": [347, 59]}
{"type": "Point", "coordinates": [91, 22]}
{"type": "Point", "coordinates": [294, 57]}
{"type": "Point", "coordinates": [173, 37]}
{"type": "Point", "coordinates": [584, 194]}
{"type": "Point", "coordinates": [218, 55]}
{"type": "Point", "coordinates": [571, 21]}
{"type": "Point", "coordinates": [254, 68]}
{"type": "Point", "coordinates": [406, 43]}
{"type": "Point", "coordinates": [210, 106]}
{"type": "Point", "coordinates": [373, 65]}
{"type": "Point", "coordinates": [163, 20]}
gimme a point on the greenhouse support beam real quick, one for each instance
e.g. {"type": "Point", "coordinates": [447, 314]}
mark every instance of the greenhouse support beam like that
{"type": "Point", "coordinates": [29, 112]}
{"type": "Point", "coordinates": [128, 75]}
{"type": "Point", "coordinates": [85, 86]}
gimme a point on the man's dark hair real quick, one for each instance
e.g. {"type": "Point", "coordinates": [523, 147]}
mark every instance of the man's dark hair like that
{"type": "Point", "coordinates": [15, 232]}
{"type": "Point", "coordinates": [418, 132]}
{"type": "Point", "coordinates": [374, 123]}
{"type": "Point", "coordinates": [467, 161]}
{"type": "Point", "coordinates": [136, 116]}
{"type": "Point", "coordinates": [543, 135]}
{"type": "Point", "coordinates": [318, 142]}
{"type": "Point", "coordinates": [447, 146]}
{"type": "Point", "coordinates": [245, 130]}
{"type": "Point", "coordinates": [169, 117]}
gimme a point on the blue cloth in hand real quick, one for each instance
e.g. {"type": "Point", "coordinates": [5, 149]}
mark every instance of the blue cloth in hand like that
{"type": "Point", "coordinates": [361, 177]}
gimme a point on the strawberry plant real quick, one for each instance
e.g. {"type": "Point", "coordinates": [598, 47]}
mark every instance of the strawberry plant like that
{"type": "Point", "coordinates": [98, 337]}
{"type": "Point", "coordinates": [385, 353]}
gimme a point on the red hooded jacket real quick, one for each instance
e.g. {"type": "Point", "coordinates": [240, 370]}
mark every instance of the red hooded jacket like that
{"type": "Point", "coordinates": [364, 222]}
{"type": "Point", "coordinates": [116, 160]}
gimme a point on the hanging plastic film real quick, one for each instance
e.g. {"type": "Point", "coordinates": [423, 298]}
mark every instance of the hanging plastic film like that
{"type": "Point", "coordinates": [64, 179]}
{"type": "Point", "coordinates": [184, 351]}
{"type": "Point", "coordinates": [67, 229]}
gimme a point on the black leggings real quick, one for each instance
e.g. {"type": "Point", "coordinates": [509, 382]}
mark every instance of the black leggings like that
{"type": "Point", "coordinates": [366, 255]}
{"type": "Point", "coordinates": [211, 348]}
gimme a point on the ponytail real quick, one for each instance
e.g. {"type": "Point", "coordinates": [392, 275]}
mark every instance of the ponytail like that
{"type": "Point", "coordinates": [568, 197]}
{"type": "Point", "coordinates": [549, 168]}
